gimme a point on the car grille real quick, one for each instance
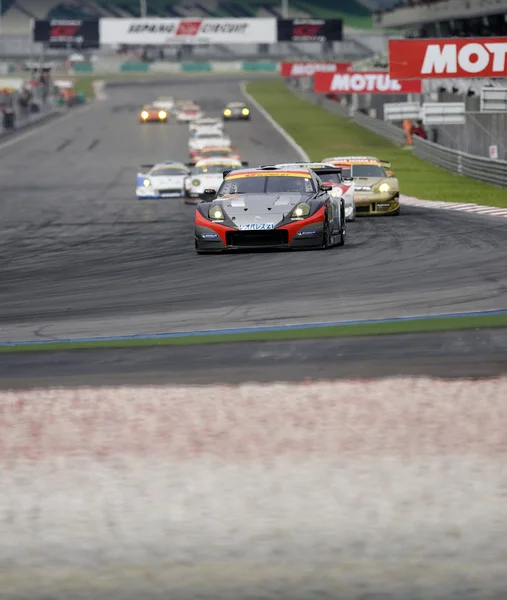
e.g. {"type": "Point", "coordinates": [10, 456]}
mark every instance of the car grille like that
{"type": "Point", "coordinates": [257, 239]}
{"type": "Point", "coordinates": [363, 209]}
{"type": "Point", "coordinates": [170, 191]}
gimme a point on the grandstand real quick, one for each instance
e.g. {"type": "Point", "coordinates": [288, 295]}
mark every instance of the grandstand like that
{"type": "Point", "coordinates": [446, 18]}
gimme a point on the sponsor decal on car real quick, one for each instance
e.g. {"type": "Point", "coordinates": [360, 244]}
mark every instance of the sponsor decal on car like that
{"type": "Point", "coordinates": [373, 82]}
{"type": "Point", "coordinates": [448, 58]}
{"type": "Point", "coordinates": [256, 226]}
{"type": "Point", "coordinates": [267, 174]}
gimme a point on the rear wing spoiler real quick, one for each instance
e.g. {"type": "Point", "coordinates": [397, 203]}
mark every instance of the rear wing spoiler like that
{"type": "Point", "coordinates": [385, 163]}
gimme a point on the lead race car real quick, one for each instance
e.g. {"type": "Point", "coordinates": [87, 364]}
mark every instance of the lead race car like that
{"type": "Point", "coordinates": [208, 174]}
{"type": "Point", "coordinates": [377, 191]}
{"type": "Point", "coordinates": [163, 180]}
{"type": "Point", "coordinates": [269, 208]}
{"type": "Point", "coordinates": [332, 176]}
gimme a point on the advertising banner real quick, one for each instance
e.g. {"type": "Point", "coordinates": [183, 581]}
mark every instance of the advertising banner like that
{"type": "Point", "coordinates": [310, 30]}
{"type": "Point", "coordinates": [448, 58]}
{"type": "Point", "coordinates": [374, 82]}
{"type": "Point", "coordinates": [159, 31]}
{"type": "Point", "coordinates": [67, 33]}
{"type": "Point", "coordinates": [308, 69]}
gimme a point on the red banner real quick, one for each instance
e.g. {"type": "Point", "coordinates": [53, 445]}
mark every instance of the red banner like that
{"type": "Point", "coordinates": [448, 58]}
{"type": "Point", "coordinates": [371, 82]}
{"type": "Point", "coordinates": [308, 69]}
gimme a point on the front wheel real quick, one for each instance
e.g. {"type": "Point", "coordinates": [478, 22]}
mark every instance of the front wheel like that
{"type": "Point", "coordinates": [326, 239]}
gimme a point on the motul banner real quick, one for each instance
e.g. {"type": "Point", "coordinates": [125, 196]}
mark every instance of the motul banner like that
{"type": "Point", "coordinates": [448, 58]}
{"type": "Point", "coordinates": [373, 82]}
{"type": "Point", "coordinates": [308, 69]}
{"type": "Point", "coordinates": [159, 31]}
{"type": "Point", "coordinates": [310, 30]}
{"type": "Point", "coordinates": [67, 33]}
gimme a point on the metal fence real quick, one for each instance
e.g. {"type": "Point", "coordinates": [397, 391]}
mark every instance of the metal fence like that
{"type": "Point", "coordinates": [478, 167]}
{"type": "Point", "coordinates": [455, 160]}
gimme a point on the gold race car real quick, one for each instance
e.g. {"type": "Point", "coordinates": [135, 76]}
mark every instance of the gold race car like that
{"type": "Point", "coordinates": [152, 114]}
{"type": "Point", "coordinates": [377, 191]}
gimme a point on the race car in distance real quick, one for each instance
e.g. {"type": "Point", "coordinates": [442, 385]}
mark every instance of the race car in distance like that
{"type": "Point", "coordinates": [330, 175]}
{"type": "Point", "coordinates": [269, 208]}
{"type": "Point", "coordinates": [208, 174]}
{"type": "Point", "coordinates": [215, 152]}
{"type": "Point", "coordinates": [152, 114]}
{"type": "Point", "coordinates": [236, 111]}
{"type": "Point", "coordinates": [163, 180]}
{"type": "Point", "coordinates": [206, 123]}
{"type": "Point", "coordinates": [206, 139]}
{"type": "Point", "coordinates": [377, 191]}
{"type": "Point", "coordinates": [188, 112]}
{"type": "Point", "coordinates": [165, 103]}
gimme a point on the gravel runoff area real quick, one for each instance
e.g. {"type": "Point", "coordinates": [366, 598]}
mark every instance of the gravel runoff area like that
{"type": "Point", "coordinates": [317, 490]}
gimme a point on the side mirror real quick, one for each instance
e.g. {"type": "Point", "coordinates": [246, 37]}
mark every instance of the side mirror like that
{"type": "Point", "coordinates": [389, 173]}
{"type": "Point", "coordinates": [210, 194]}
{"type": "Point", "coordinates": [326, 188]}
{"type": "Point", "coordinates": [348, 179]}
{"type": "Point", "coordinates": [244, 163]}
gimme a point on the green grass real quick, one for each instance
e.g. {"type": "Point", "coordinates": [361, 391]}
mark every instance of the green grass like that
{"type": "Point", "coordinates": [430, 324]}
{"type": "Point", "coordinates": [323, 134]}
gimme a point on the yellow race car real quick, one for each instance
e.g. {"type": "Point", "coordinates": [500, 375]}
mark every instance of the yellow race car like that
{"type": "Point", "coordinates": [376, 190]}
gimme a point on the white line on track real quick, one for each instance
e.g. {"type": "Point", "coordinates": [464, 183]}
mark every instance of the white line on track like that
{"type": "Point", "coordinates": [290, 140]}
{"type": "Point", "coordinates": [456, 206]}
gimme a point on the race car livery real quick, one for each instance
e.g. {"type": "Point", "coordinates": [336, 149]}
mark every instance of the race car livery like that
{"type": "Point", "coordinates": [205, 124]}
{"type": "Point", "coordinates": [152, 114]}
{"type": "Point", "coordinates": [236, 111]}
{"type": "Point", "coordinates": [188, 112]}
{"type": "Point", "coordinates": [206, 139]}
{"type": "Point", "coordinates": [208, 174]}
{"type": "Point", "coordinates": [269, 208]}
{"type": "Point", "coordinates": [330, 175]}
{"type": "Point", "coordinates": [377, 191]}
{"type": "Point", "coordinates": [163, 180]}
{"type": "Point", "coordinates": [215, 152]}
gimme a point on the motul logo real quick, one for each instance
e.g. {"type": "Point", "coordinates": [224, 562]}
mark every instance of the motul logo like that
{"type": "Point", "coordinates": [373, 82]}
{"type": "Point", "coordinates": [359, 82]}
{"type": "Point", "coordinates": [472, 58]}
{"type": "Point", "coordinates": [308, 69]}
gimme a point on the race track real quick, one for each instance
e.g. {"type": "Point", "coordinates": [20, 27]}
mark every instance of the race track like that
{"type": "Point", "coordinates": [80, 256]}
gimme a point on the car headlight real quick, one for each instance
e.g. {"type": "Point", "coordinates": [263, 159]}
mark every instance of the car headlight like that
{"type": "Point", "coordinates": [245, 112]}
{"type": "Point", "coordinates": [383, 188]}
{"type": "Point", "coordinates": [196, 182]}
{"type": "Point", "coordinates": [216, 213]}
{"type": "Point", "coordinates": [144, 114]}
{"type": "Point", "coordinates": [336, 193]}
{"type": "Point", "coordinates": [162, 114]}
{"type": "Point", "coordinates": [302, 210]}
{"type": "Point", "coordinates": [227, 112]}
{"type": "Point", "coordinates": [146, 183]}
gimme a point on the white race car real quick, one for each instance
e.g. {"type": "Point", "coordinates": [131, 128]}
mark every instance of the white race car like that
{"type": "Point", "coordinates": [206, 139]}
{"type": "Point", "coordinates": [331, 175]}
{"type": "Point", "coordinates": [206, 123]}
{"type": "Point", "coordinates": [208, 173]}
{"type": "Point", "coordinates": [162, 180]}
{"type": "Point", "coordinates": [164, 102]}
{"type": "Point", "coordinates": [188, 113]}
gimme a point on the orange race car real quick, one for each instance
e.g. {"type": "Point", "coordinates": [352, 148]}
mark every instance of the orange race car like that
{"type": "Point", "coordinates": [152, 114]}
{"type": "Point", "coordinates": [215, 152]}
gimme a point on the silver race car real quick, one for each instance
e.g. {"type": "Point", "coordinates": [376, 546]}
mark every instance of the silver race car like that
{"type": "Point", "coordinates": [162, 180]}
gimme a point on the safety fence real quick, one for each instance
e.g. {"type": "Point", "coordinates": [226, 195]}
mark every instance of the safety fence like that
{"type": "Point", "coordinates": [463, 163]}
{"type": "Point", "coordinates": [179, 67]}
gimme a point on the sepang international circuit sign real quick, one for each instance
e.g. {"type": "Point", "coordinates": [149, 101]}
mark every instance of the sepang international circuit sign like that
{"type": "Point", "coordinates": [160, 31]}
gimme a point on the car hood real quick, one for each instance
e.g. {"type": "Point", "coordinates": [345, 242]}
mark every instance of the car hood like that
{"type": "Point", "coordinates": [372, 182]}
{"type": "Point", "coordinates": [246, 209]}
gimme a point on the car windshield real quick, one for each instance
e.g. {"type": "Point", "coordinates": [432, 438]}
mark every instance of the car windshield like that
{"type": "Point", "coordinates": [212, 169]}
{"type": "Point", "coordinates": [210, 153]}
{"type": "Point", "coordinates": [164, 171]}
{"type": "Point", "coordinates": [330, 178]}
{"type": "Point", "coordinates": [367, 171]}
{"type": "Point", "coordinates": [267, 184]}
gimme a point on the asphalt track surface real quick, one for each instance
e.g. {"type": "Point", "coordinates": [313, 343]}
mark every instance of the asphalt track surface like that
{"type": "Point", "coordinates": [80, 256]}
